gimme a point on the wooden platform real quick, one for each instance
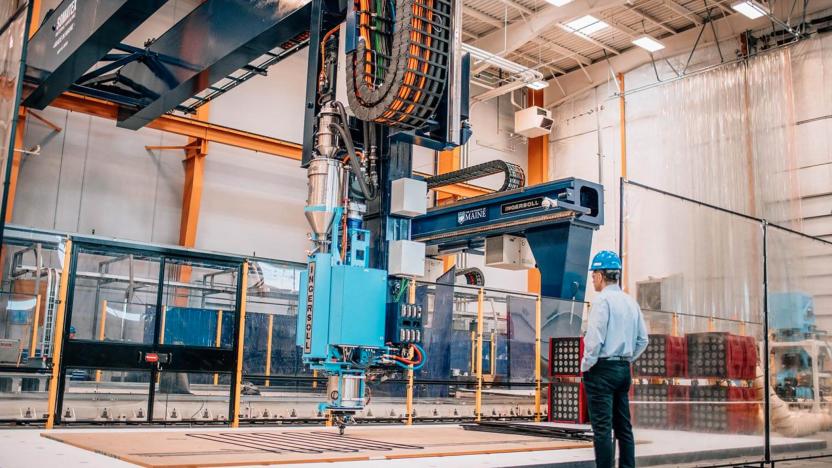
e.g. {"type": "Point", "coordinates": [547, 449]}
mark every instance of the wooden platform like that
{"type": "Point", "coordinates": [284, 446]}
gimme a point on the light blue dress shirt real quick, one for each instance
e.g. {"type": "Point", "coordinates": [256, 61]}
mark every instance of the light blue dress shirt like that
{"type": "Point", "coordinates": [615, 329]}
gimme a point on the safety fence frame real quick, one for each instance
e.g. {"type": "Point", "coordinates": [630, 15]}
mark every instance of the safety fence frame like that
{"type": "Point", "coordinates": [766, 228]}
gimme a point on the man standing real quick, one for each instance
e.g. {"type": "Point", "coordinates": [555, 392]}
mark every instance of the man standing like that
{"type": "Point", "coordinates": [615, 336]}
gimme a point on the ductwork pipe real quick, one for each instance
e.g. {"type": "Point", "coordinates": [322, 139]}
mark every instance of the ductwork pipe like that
{"type": "Point", "coordinates": [788, 422]}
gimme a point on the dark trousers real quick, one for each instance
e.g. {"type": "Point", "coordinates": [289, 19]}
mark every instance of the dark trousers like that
{"type": "Point", "coordinates": [607, 384]}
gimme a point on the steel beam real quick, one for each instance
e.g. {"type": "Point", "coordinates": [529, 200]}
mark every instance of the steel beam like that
{"type": "Point", "coordinates": [519, 33]}
{"type": "Point", "coordinates": [681, 10]}
{"type": "Point", "coordinates": [590, 40]}
{"type": "Point", "coordinates": [536, 61]}
{"type": "Point", "coordinates": [214, 40]}
{"type": "Point", "coordinates": [480, 16]}
{"type": "Point", "coordinates": [208, 132]}
{"type": "Point", "coordinates": [187, 127]}
{"type": "Point", "coordinates": [651, 19]}
{"type": "Point", "coordinates": [73, 38]}
{"type": "Point", "coordinates": [518, 7]}
{"type": "Point", "coordinates": [566, 53]}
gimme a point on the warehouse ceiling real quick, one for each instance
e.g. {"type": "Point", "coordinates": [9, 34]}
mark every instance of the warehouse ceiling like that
{"type": "Point", "coordinates": [555, 49]}
{"type": "Point", "coordinates": [536, 34]}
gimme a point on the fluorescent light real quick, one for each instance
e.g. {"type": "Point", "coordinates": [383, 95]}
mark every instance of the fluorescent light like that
{"type": "Point", "coordinates": [537, 85]}
{"type": "Point", "coordinates": [559, 2]}
{"type": "Point", "coordinates": [586, 25]}
{"type": "Point", "coordinates": [750, 8]}
{"type": "Point", "coordinates": [648, 43]}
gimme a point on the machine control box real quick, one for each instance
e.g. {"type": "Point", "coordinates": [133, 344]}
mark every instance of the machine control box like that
{"type": "Point", "coordinates": [406, 258]}
{"type": "Point", "coordinates": [408, 197]}
{"type": "Point", "coordinates": [508, 252]}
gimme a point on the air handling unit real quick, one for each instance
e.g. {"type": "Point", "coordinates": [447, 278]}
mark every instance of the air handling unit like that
{"type": "Point", "coordinates": [533, 122]}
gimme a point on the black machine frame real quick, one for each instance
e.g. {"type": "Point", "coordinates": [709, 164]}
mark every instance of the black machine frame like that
{"type": "Point", "coordinates": [102, 355]}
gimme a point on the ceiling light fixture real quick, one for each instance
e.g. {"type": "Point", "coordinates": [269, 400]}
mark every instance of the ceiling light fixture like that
{"type": "Point", "coordinates": [559, 2]}
{"type": "Point", "coordinates": [751, 8]}
{"type": "Point", "coordinates": [536, 85]}
{"type": "Point", "coordinates": [648, 43]}
{"type": "Point", "coordinates": [586, 25]}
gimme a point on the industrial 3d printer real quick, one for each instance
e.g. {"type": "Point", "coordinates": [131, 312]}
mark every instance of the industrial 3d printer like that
{"type": "Point", "coordinates": [406, 84]}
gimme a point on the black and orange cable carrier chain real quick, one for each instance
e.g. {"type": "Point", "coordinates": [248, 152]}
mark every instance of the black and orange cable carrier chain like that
{"type": "Point", "coordinates": [396, 76]}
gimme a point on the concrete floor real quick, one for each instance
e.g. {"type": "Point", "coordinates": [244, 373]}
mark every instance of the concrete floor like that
{"type": "Point", "coordinates": [815, 463]}
{"type": "Point", "coordinates": [25, 447]}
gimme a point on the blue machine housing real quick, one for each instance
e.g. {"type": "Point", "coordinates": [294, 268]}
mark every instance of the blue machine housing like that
{"type": "Point", "coordinates": [342, 296]}
{"type": "Point", "coordinates": [791, 313]}
{"type": "Point", "coordinates": [558, 219]}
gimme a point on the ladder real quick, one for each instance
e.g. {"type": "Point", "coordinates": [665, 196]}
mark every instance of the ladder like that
{"type": "Point", "coordinates": [52, 299]}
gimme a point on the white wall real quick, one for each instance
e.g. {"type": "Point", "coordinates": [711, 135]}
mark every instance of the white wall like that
{"type": "Point", "coordinates": [92, 177]}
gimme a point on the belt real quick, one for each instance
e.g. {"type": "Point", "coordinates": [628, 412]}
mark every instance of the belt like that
{"type": "Point", "coordinates": [615, 358]}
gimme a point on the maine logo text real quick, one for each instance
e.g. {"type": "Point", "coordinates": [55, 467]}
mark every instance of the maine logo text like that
{"type": "Point", "coordinates": [471, 215]}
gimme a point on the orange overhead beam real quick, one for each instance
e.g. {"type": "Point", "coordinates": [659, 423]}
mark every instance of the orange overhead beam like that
{"type": "Point", "coordinates": [192, 128]}
{"type": "Point", "coordinates": [538, 171]}
{"type": "Point", "coordinates": [223, 135]}
{"type": "Point", "coordinates": [461, 190]}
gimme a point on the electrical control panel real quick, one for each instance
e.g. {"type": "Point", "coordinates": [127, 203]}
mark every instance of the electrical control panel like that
{"type": "Point", "coordinates": [405, 323]}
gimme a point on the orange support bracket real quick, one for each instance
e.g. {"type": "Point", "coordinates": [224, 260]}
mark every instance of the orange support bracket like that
{"type": "Point", "coordinates": [55, 127]}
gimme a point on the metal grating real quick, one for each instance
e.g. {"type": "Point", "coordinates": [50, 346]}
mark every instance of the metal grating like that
{"type": "Point", "coordinates": [313, 442]}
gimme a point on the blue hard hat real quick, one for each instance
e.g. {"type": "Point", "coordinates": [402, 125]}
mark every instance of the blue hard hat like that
{"type": "Point", "coordinates": [72, 329]}
{"type": "Point", "coordinates": [605, 260]}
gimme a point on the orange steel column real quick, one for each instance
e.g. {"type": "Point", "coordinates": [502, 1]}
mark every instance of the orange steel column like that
{"type": "Point", "coordinates": [195, 153]}
{"type": "Point", "coordinates": [622, 115]}
{"type": "Point", "coordinates": [20, 130]}
{"type": "Point", "coordinates": [448, 161]}
{"type": "Point", "coordinates": [538, 172]}
{"type": "Point", "coordinates": [34, 23]}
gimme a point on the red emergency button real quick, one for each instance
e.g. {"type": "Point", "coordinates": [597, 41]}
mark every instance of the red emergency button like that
{"type": "Point", "coordinates": [151, 357]}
